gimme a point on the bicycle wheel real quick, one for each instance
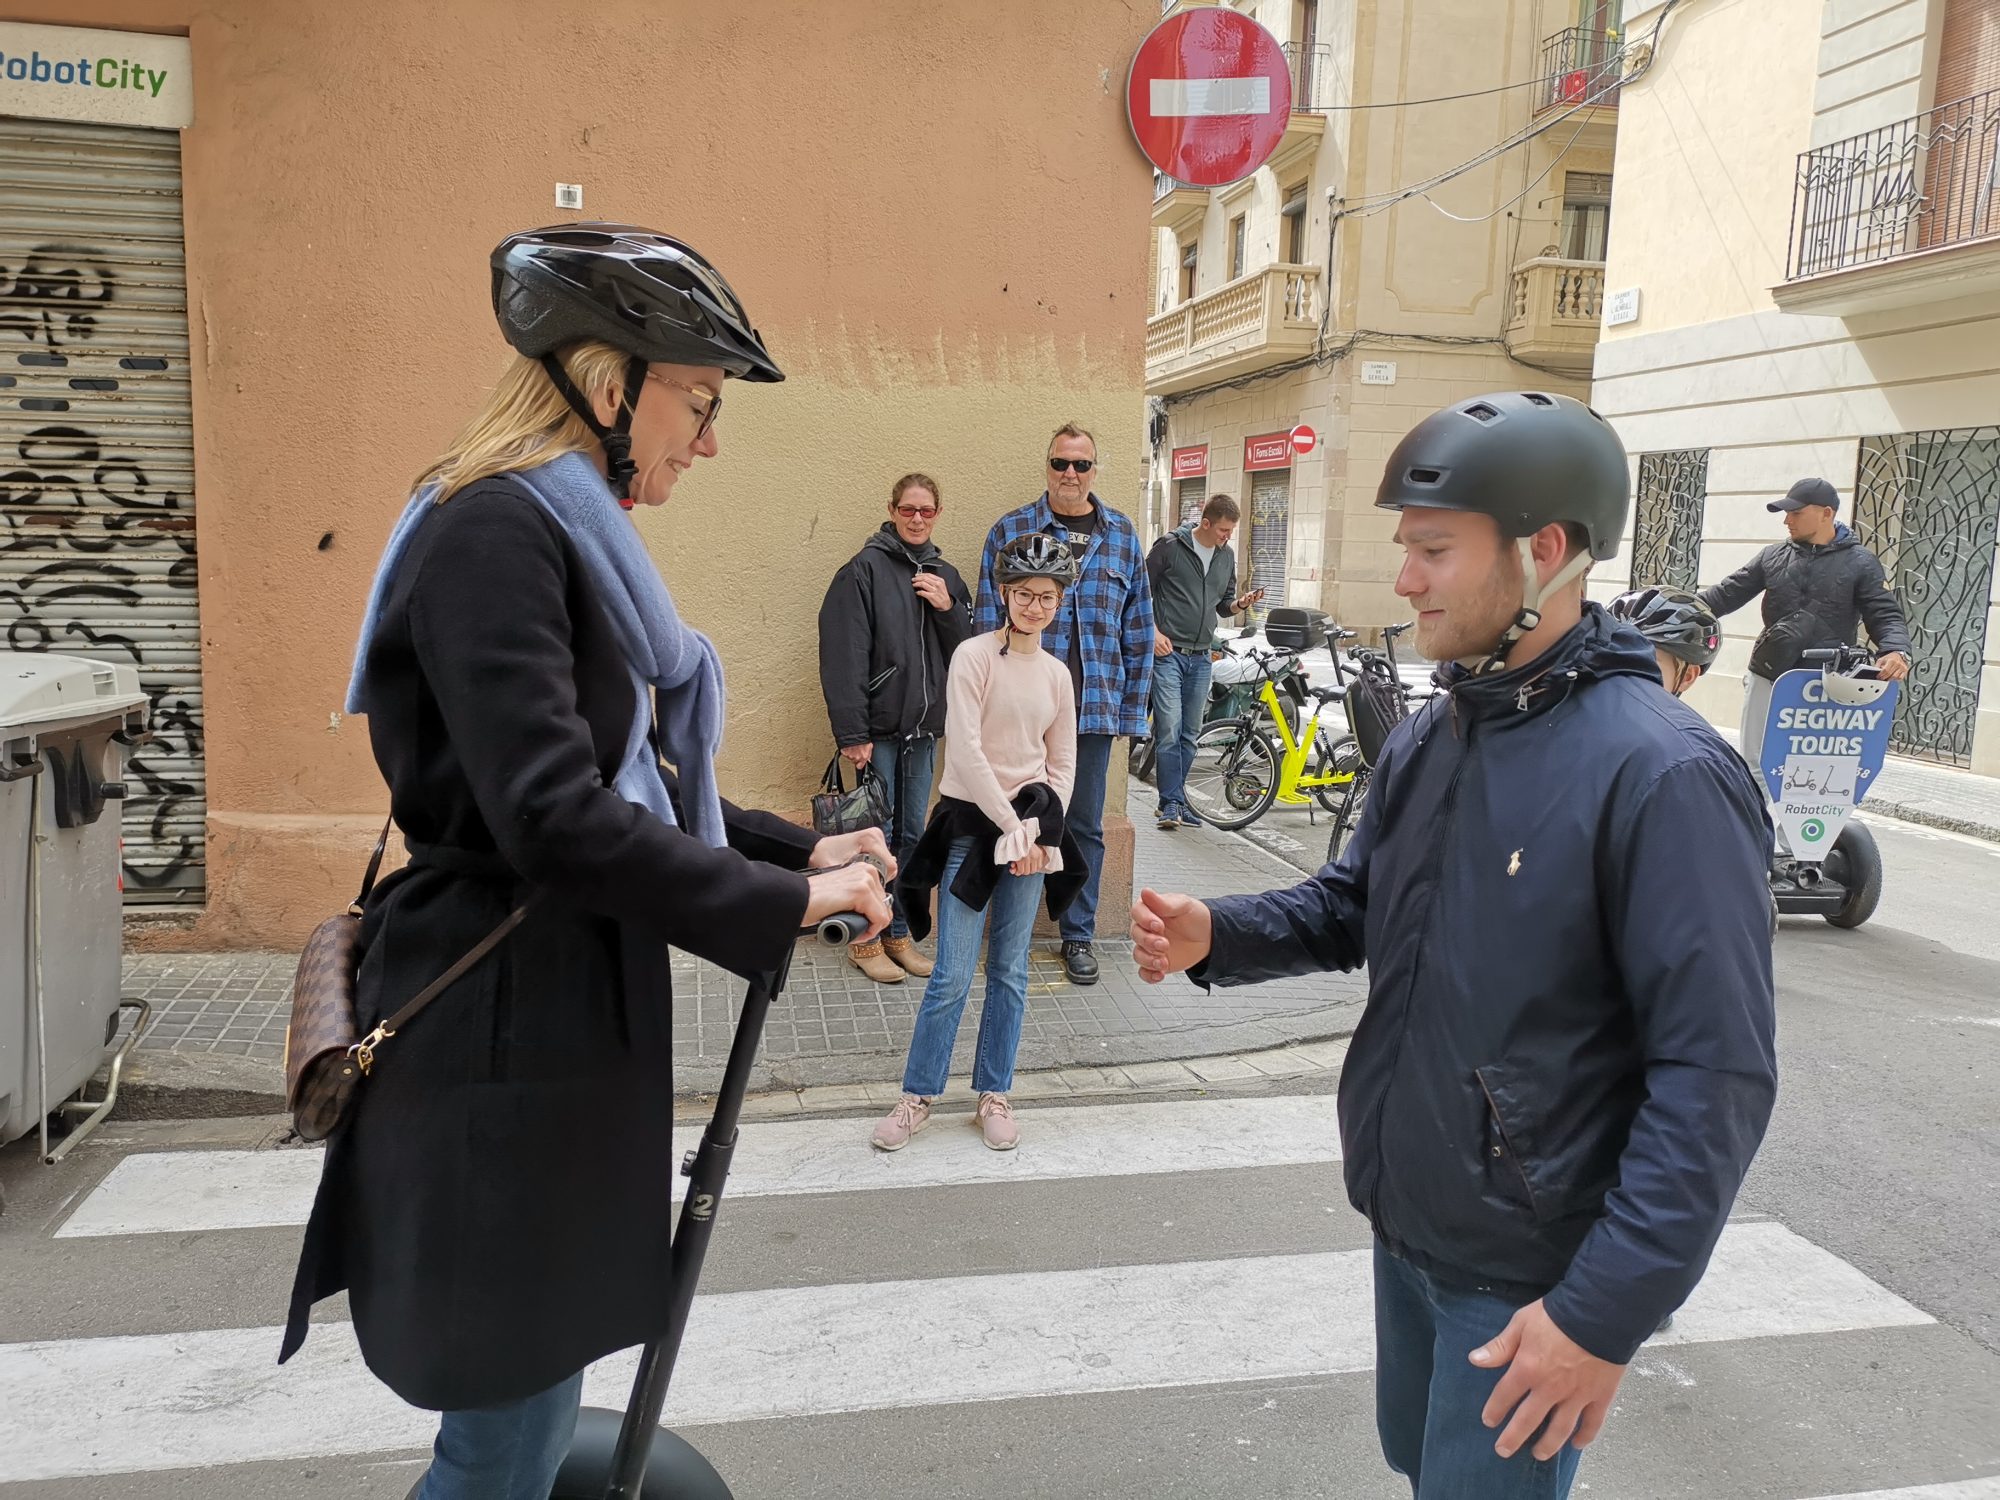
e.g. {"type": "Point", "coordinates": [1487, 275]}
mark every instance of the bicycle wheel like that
{"type": "Point", "coordinates": [1233, 778]}
{"type": "Point", "coordinates": [1341, 758]}
{"type": "Point", "coordinates": [1348, 818]}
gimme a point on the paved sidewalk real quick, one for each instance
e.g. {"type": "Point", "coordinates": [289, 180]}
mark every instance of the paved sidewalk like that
{"type": "Point", "coordinates": [833, 1025]}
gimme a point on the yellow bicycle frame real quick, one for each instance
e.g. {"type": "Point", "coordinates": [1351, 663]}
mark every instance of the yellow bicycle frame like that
{"type": "Point", "coordinates": [1293, 778]}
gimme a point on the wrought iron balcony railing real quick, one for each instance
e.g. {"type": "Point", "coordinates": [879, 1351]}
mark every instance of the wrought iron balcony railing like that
{"type": "Point", "coordinates": [1311, 65]}
{"type": "Point", "coordinates": [1581, 66]}
{"type": "Point", "coordinates": [1924, 183]}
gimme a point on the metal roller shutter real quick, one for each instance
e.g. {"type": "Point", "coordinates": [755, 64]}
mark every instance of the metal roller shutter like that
{"type": "Point", "coordinates": [1270, 536]}
{"type": "Point", "coordinates": [97, 557]}
{"type": "Point", "coordinates": [1193, 495]}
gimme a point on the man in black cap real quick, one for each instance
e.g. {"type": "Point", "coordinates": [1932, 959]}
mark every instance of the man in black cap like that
{"type": "Point", "coordinates": [1817, 588]}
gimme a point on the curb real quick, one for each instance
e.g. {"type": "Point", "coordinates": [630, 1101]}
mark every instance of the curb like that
{"type": "Point", "coordinates": [1197, 1075]}
{"type": "Point", "coordinates": [1930, 817]}
{"type": "Point", "coordinates": [162, 1085]}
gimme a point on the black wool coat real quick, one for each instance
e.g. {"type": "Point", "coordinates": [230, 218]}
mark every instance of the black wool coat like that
{"type": "Point", "coordinates": [497, 1207]}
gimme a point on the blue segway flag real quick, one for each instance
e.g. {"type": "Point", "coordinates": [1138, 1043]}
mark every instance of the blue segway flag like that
{"type": "Point", "coordinates": [1820, 757]}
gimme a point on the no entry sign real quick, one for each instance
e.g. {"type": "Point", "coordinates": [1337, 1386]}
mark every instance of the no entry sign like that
{"type": "Point", "coordinates": [1209, 96]}
{"type": "Point", "coordinates": [1304, 440]}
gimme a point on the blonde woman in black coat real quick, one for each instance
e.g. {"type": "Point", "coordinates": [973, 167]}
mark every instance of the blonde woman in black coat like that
{"type": "Point", "coordinates": [497, 1208]}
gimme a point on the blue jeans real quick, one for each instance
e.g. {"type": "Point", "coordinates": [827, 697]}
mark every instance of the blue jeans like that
{"type": "Point", "coordinates": [1012, 914]}
{"type": "Point", "coordinates": [905, 769]}
{"type": "Point", "coordinates": [509, 1452]}
{"type": "Point", "coordinates": [1428, 1394]}
{"type": "Point", "coordinates": [1180, 700]}
{"type": "Point", "coordinates": [1086, 826]}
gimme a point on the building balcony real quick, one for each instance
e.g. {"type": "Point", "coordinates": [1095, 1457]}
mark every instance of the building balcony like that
{"type": "Point", "coordinates": [1902, 216]}
{"type": "Point", "coordinates": [1178, 207]}
{"type": "Point", "coordinates": [1583, 69]}
{"type": "Point", "coordinates": [1263, 319]}
{"type": "Point", "coordinates": [1558, 306]}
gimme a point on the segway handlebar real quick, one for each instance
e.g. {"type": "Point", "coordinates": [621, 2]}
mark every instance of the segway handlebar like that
{"type": "Point", "coordinates": [841, 929]}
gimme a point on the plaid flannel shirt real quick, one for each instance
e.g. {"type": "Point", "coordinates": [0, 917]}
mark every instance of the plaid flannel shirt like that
{"type": "Point", "coordinates": [1115, 601]}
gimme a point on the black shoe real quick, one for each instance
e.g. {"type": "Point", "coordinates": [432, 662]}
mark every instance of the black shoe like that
{"type": "Point", "coordinates": [1079, 963]}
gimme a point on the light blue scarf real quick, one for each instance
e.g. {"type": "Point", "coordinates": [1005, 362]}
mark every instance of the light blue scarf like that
{"type": "Point", "coordinates": [668, 660]}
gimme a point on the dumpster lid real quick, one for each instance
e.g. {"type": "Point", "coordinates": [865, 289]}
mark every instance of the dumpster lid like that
{"type": "Point", "coordinates": [38, 689]}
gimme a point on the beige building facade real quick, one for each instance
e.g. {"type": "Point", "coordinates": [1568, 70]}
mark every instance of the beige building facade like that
{"type": "Point", "coordinates": [1321, 293]}
{"type": "Point", "coordinates": [230, 337]}
{"type": "Point", "coordinates": [1806, 260]}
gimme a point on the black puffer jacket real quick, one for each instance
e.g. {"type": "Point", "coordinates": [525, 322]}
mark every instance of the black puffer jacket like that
{"type": "Point", "coordinates": [883, 651]}
{"type": "Point", "coordinates": [1814, 597]}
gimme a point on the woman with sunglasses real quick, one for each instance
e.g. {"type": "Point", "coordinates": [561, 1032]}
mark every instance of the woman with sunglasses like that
{"type": "Point", "coordinates": [496, 1205]}
{"type": "Point", "coordinates": [890, 621]}
{"type": "Point", "coordinates": [998, 831]}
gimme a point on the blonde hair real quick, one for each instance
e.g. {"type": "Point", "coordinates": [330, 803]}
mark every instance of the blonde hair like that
{"type": "Point", "coordinates": [1071, 430]}
{"type": "Point", "coordinates": [525, 422]}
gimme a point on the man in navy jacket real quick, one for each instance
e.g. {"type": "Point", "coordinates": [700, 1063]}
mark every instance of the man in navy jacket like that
{"type": "Point", "coordinates": [1559, 887]}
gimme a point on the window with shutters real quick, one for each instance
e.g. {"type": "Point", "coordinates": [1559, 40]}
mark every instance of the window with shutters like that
{"type": "Point", "coordinates": [1239, 229]}
{"type": "Point", "coordinates": [1294, 215]}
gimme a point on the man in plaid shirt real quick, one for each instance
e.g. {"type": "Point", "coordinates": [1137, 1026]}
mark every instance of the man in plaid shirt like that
{"type": "Point", "coordinates": [1104, 630]}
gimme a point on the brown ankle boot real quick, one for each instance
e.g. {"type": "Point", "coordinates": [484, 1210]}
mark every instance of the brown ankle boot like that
{"type": "Point", "coordinates": [905, 953]}
{"type": "Point", "coordinates": [872, 961]}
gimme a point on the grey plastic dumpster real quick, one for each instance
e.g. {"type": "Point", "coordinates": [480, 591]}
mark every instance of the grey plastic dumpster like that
{"type": "Point", "coordinates": [66, 724]}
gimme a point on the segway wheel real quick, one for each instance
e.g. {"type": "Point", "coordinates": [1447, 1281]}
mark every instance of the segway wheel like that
{"type": "Point", "coordinates": [1855, 864]}
{"type": "Point", "coordinates": [675, 1471]}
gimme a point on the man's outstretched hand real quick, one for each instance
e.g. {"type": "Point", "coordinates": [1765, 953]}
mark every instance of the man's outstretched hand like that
{"type": "Point", "coordinates": [1169, 934]}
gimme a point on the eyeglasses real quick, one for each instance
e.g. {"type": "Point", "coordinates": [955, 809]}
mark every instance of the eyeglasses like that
{"type": "Point", "coordinates": [917, 512]}
{"type": "Point", "coordinates": [1037, 600]}
{"type": "Point", "coordinates": [708, 415]}
{"type": "Point", "coordinates": [1064, 465]}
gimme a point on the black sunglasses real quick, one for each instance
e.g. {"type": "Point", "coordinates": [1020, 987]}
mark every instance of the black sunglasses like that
{"type": "Point", "coordinates": [1064, 465]}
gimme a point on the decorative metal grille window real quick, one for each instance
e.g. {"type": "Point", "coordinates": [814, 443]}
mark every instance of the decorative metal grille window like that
{"type": "Point", "coordinates": [1666, 525]}
{"type": "Point", "coordinates": [1928, 504]}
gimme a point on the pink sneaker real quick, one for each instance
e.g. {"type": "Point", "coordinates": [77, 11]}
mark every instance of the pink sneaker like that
{"type": "Point", "coordinates": [911, 1114]}
{"type": "Point", "coordinates": [995, 1118]}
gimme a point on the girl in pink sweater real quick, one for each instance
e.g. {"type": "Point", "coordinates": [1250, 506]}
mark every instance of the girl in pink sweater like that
{"type": "Point", "coordinates": [996, 838]}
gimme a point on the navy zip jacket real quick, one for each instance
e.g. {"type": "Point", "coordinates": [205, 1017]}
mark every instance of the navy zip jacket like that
{"type": "Point", "coordinates": [1567, 1058]}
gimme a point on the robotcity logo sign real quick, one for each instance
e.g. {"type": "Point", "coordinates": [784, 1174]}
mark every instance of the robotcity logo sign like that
{"type": "Point", "coordinates": [98, 77]}
{"type": "Point", "coordinates": [82, 72]}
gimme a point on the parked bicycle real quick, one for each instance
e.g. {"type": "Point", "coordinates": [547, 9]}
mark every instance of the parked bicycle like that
{"type": "Point", "coordinates": [1245, 764]}
{"type": "Point", "coordinates": [1377, 701]}
{"type": "Point", "coordinates": [1233, 691]}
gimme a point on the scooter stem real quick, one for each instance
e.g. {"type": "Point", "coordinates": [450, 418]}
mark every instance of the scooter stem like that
{"type": "Point", "coordinates": [707, 1169]}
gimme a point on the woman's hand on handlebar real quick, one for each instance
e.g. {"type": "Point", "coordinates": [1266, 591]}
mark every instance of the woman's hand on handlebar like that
{"type": "Point", "coordinates": [839, 848]}
{"type": "Point", "coordinates": [854, 888]}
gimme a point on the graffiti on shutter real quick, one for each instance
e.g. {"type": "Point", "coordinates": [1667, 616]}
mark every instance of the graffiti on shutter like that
{"type": "Point", "coordinates": [97, 525]}
{"type": "Point", "coordinates": [1270, 537]}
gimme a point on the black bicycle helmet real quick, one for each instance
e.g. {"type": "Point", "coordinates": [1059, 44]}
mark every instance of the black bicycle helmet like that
{"type": "Point", "coordinates": [1674, 620]}
{"type": "Point", "coordinates": [1528, 460]}
{"type": "Point", "coordinates": [649, 294]}
{"type": "Point", "coordinates": [1036, 555]}
{"type": "Point", "coordinates": [652, 296]}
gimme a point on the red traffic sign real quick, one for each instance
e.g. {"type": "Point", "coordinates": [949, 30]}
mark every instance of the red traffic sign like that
{"type": "Point", "coordinates": [1304, 440]}
{"type": "Point", "coordinates": [1209, 96]}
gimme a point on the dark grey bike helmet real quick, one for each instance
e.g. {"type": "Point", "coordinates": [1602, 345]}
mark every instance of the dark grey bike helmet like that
{"type": "Point", "coordinates": [654, 297]}
{"type": "Point", "coordinates": [1528, 460]}
{"type": "Point", "coordinates": [1036, 555]}
{"type": "Point", "coordinates": [1674, 620]}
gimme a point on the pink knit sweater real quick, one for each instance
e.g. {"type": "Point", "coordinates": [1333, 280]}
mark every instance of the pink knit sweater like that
{"type": "Point", "coordinates": [1010, 721]}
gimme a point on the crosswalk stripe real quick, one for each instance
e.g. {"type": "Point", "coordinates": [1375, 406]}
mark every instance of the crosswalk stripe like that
{"type": "Point", "coordinates": [182, 1192]}
{"type": "Point", "coordinates": [132, 1403]}
{"type": "Point", "coordinates": [1958, 1489]}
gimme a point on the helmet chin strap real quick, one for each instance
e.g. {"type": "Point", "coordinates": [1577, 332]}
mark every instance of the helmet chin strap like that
{"type": "Point", "coordinates": [616, 439]}
{"type": "Point", "coordinates": [1533, 597]}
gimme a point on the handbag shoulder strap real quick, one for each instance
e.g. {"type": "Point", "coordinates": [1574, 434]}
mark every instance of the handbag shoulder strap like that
{"type": "Point", "coordinates": [456, 972]}
{"type": "Point", "coordinates": [374, 866]}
